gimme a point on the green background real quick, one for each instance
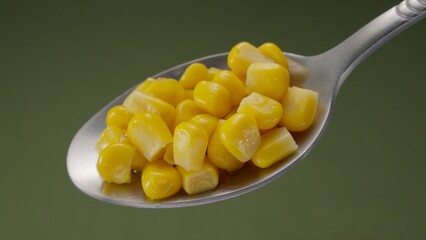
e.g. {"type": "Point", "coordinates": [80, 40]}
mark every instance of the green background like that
{"type": "Point", "coordinates": [61, 62]}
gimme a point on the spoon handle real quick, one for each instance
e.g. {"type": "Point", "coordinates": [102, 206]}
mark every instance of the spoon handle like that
{"type": "Point", "coordinates": [352, 51]}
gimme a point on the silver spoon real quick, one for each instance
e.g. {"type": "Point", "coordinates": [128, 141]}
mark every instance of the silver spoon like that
{"type": "Point", "coordinates": [324, 73]}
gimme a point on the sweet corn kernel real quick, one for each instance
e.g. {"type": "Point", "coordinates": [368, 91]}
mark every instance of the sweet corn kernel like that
{"type": "Point", "coordinates": [212, 73]}
{"type": "Point", "coordinates": [119, 116]}
{"type": "Point", "coordinates": [145, 84]}
{"type": "Point", "coordinates": [167, 89]}
{"type": "Point", "coordinates": [111, 135]}
{"type": "Point", "coordinates": [114, 163]}
{"type": "Point", "coordinates": [269, 79]}
{"type": "Point", "coordinates": [276, 145]}
{"type": "Point", "coordinates": [160, 180]}
{"type": "Point", "coordinates": [242, 55]}
{"type": "Point", "coordinates": [203, 180]}
{"type": "Point", "coordinates": [168, 154]}
{"type": "Point", "coordinates": [212, 98]}
{"type": "Point", "coordinates": [193, 74]}
{"type": "Point", "coordinates": [233, 84]}
{"type": "Point", "coordinates": [189, 145]}
{"type": "Point", "coordinates": [265, 110]}
{"type": "Point", "coordinates": [299, 109]}
{"type": "Point", "coordinates": [240, 135]}
{"type": "Point", "coordinates": [185, 110]}
{"type": "Point", "coordinates": [219, 155]}
{"type": "Point", "coordinates": [150, 134]}
{"type": "Point", "coordinates": [272, 51]}
{"type": "Point", "coordinates": [206, 121]}
{"type": "Point", "coordinates": [138, 102]}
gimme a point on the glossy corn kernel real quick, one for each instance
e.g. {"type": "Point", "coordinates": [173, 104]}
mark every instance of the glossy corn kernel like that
{"type": "Point", "coordinates": [212, 98]}
{"type": "Point", "coordinates": [167, 89]}
{"type": "Point", "coordinates": [145, 84]}
{"type": "Point", "coordinates": [119, 116]}
{"type": "Point", "coordinates": [189, 145]}
{"type": "Point", "coordinates": [299, 109]}
{"type": "Point", "coordinates": [114, 163]}
{"type": "Point", "coordinates": [138, 102]}
{"type": "Point", "coordinates": [111, 135]}
{"type": "Point", "coordinates": [185, 110]}
{"type": "Point", "coordinates": [276, 145]}
{"type": "Point", "coordinates": [240, 135]}
{"type": "Point", "coordinates": [265, 110]}
{"type": "Point", "coordinates": [150, 134]}
{"type": "Point", "coordinates": [199, 181]}
{"type": "Point", "coordinates": [272, 51]}
{"type": "Point", "coordinates": [212, 73]}
{"type": "Point", "coordinates": [193, 74]}
{"type": "Point", "coordinates": [242, 55]}
{"type": "Point", "coordinates": [233, 84]}
{"type": "Point", "coordinates": [168, 154]}
{"type": "Point", "coordinates": [269, 79]}
{"type": "Point", "coordinates": [219, 155]}
{"type": "Point", "coordinates": [207, 121]}
{"type": "Point", "coordinates": [160, 180]}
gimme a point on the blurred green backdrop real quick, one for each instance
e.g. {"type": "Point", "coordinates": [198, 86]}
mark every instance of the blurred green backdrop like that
{"type": "Point", "coordinates": [60, 62]}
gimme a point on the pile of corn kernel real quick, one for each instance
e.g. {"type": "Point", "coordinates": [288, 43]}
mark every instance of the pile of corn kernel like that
{"type": "Point", "coordinates": [180, 133]}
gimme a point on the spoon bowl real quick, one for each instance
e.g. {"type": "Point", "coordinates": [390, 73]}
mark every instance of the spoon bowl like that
{"type": "Point", "coordinates": [323, 73]}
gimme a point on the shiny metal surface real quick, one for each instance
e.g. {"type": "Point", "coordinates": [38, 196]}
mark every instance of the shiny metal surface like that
{"type": "Point", "coordinates": [324, 73]}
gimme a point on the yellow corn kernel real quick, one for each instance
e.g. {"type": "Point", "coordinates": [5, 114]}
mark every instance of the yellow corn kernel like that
{"type": "Point", "coordinates": [269, 79]}
{"type": "Point", "coordinates": [219, 155]}
{"type": "Point", "coordinates": [168, 154]}
{"type": "Point", "coordinates": [265, 110]}
{"type": "Point", "coordinates": [114, 163]}
{"type": "Point", "coordinates": [212, 98]}
{"type": "Point", "coordinates": [233, 84]}
{"type": "Point", "coordinates": [212, 73]}
{"type": "Point", "coordinates": [111, 135]}
{"type": "Point", "coordinates": [119, 116]}
{"type": "Point", "coordinates": [150, 134]}
{"type": "Point", "coordinates": [189, 145]}
{"type": "Point", "coordinates": [272, 51]}
{"type": "Point", "coordinates": [201, 180]}
{"type": "Point", "coordinates": [276, 145]}
{"type": "Point", "coordinates": [299, 109]}
{"type": "Point", "coordinates": [207, 121]}
{"type": "Point", "coordinates": [138, 161]}
{"type": "Point", "coordinates": [242, 55]}
{"type": "Point", "coordinates": [185, 110]}
{"type": "Point", "coordinates": [145, 84]}
{"type": "Point", "coordinates": [138, 102]}
{"type": "Point", "coordinates": [189, 94]}
{"type": "Point", "coordinates": [167, 89]}
{"type": "Point", "coordinates": [240, 135]}
{"type": "Point", "coordinates": [160, 180]}
{"type": "Point", "coordinates": [193, 74]}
